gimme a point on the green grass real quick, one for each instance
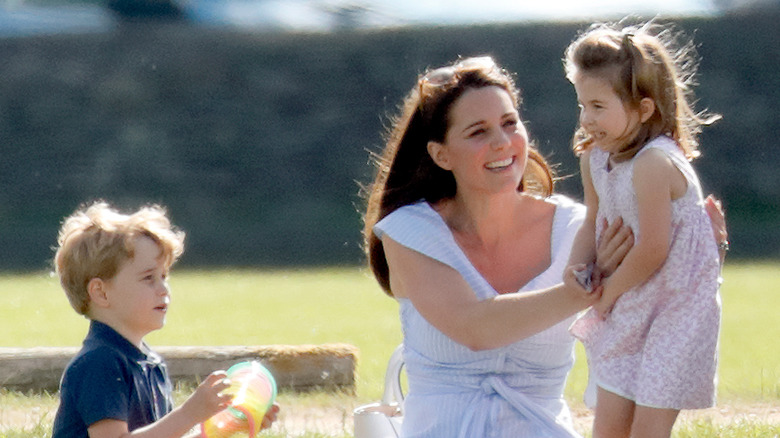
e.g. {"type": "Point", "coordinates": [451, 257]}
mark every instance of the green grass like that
{"type": "Point", "coordinates": [316, 306]}
{"type": "Point", "coordinates": [287, 307]}
{"type": "Point", "coordinates": [230, 307]}
{"type": "Point", "coordinates": [750, 352]}
{"type": "Point", "coordinates": [739, 429]}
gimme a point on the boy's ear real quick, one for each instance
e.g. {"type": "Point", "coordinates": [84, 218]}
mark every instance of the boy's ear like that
{"type": "Point", "coordinates": [438, 154]}
{"type": "Point", "coordinates": [646, 109]}
{"type": "Point", "coordinates": [96, 289]}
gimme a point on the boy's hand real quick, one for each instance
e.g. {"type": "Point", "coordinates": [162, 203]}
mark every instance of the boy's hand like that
{"type": "Point", "coordinates": [208, 399]}
{"type": "Point", "coordinates": [270, 416]}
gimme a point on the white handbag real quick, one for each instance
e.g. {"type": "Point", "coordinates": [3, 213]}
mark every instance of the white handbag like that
{"type": "Point", "coordinates": [383, 419]}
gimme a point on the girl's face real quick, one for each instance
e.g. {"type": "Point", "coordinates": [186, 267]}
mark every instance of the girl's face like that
{"type": "Point", "coordinates": [603, 114]}
{"type": "Point", "coordinates": [486, 145]}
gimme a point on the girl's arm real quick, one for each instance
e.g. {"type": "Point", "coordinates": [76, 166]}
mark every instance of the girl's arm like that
{"type": "Point", "coordinates": [446, 301]}
{"type": "Point", "coordinates": [613, 245]}
{"type": "Point", "coordinates": [583, 249]}
{"type": "Point", "coordinates": [656, 182]}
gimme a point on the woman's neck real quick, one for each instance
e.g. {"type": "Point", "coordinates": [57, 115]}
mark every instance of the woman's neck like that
{"type": "Point", "coordinates": [486, 219]}
{"type": "Point", "coordinates": [506, 239]}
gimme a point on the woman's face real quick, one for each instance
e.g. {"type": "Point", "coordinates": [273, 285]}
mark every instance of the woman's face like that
{"type": "Point", "coordinates": [486, 144]}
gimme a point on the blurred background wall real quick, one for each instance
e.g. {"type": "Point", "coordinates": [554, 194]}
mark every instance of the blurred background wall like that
{"type": "Point", "coordinates": [258, 142]}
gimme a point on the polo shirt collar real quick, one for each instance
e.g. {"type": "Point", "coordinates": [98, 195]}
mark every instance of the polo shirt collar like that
{"type": "Point", "coordinates": [101, 333]}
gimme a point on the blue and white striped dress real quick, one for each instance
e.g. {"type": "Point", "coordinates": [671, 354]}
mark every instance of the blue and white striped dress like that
{"type": "Point", "coordinates": [513, 391]}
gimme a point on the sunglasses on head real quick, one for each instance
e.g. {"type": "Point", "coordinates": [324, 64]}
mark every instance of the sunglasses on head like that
{"type": "Point", "coordinates": [450, 74]}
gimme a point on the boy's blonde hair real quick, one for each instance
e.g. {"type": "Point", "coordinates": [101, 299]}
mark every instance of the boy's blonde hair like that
{"type": "Point", "coordinates": [95, 240]}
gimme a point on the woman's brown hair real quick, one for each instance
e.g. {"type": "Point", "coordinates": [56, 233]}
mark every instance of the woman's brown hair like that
{"type": "Point", "coordinates": [405, 172]}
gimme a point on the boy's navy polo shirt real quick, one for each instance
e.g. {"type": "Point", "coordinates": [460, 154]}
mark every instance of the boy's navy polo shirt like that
{"type": "Point", "coordinates": [110, 378]}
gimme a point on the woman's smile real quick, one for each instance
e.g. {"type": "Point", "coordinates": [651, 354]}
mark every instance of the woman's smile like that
{"type": "Point", "coordinates": [500, 165]}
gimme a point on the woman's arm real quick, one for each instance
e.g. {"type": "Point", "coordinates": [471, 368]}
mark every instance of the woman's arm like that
{"type": "Point", "coordinates": [447, 302]}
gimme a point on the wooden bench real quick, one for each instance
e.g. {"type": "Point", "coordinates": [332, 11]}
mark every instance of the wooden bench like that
{"type": "Point", "coordinates": [328, 367]}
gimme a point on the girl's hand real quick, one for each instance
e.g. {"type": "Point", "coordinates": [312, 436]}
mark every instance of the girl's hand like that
{"type": "Point", "coordinates": [208, 399]}
{"type": "Point", "coordinates": [604, 306]}
{"type": "Point", "coordinates": [614, 244]}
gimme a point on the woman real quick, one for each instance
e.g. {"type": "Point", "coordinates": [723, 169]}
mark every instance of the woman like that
{"type": "Point", "coordinates": [463, 229]}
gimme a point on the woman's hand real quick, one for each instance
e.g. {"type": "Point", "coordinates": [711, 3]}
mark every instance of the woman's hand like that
{"type": "Point", "coordinates": [714, 209]}
{"type": "Point", "coordinates": [615, 242]}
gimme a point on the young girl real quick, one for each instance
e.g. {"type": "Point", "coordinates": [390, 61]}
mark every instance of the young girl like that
{"type": "Point", "coordinates": [652, 337]}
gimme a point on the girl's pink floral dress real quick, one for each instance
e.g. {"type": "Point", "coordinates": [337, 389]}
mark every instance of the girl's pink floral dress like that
{"type": "Point", "coordinates": [658, 347]}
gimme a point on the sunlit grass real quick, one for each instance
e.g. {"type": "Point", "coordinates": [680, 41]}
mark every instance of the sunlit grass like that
{"type": "Point", "coordinates": [34, 411]}
{"type": "Point", "coordinates": [344, 305]}
{"type": "Point", "coordinates": [749, 350]}
{"type": "Point", "coordinates": [738, 429]}
{"type": "Point", "coordinates": [230, 307]}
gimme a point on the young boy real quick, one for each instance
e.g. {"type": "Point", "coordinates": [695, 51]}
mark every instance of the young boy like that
{"type": "Point", "coordinates": [114, 270]}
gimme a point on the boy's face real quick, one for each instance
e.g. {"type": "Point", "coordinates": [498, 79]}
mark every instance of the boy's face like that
{"type": "Point", "coordinates": [138, 295]}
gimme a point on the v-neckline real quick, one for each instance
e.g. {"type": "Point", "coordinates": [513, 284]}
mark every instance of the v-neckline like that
{"type": "Point", "coordinates": [464, 257]}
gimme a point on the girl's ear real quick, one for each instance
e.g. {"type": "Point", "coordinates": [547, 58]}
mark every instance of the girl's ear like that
{"type": "Point", "coordinates": [646, 109]}
{"type": "Point", "coordinates": [98, 296]}
{"type": "Point", "coordinates": [438, 154]}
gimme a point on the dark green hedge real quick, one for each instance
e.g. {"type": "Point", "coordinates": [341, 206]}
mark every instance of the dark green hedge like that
{"type": "Point", "coordinates": [257, 143]}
